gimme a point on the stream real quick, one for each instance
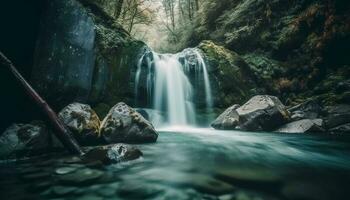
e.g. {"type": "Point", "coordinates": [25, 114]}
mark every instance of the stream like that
{"type": "Point", "coordinates": [195, 163]}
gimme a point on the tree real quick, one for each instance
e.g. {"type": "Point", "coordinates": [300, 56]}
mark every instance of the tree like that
{"type": "Point", "coordinates": [118, 9]}
{"type": "Point", "coordinates": [135, 12]}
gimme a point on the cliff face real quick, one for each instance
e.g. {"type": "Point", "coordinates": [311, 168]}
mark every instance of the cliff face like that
{"type": "Point", "coordinates": [291, 49]}
{"type": "Point", "coordinates": [82, 53]}
{"type": "Point", "coordinates": [295, 49]}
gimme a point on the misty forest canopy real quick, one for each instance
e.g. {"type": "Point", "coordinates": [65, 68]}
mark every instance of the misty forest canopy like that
{"type": "Point", "coordinates": [162, 22]}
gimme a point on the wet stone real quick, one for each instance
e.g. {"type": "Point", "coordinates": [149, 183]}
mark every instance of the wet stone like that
{"type": "Point", "coordinates": [82, 176]}
{"type": "Point", "coordinates": [65, 170]}
{"type": "Point", "coordinates": [71, 160]}
{"type": "Point", "coordinates": [227, 197]}
{"type": "Point", "coordinates": [62, 190]}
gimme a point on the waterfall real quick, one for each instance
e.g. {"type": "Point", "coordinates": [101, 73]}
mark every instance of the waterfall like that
{"type": "Point", "coordinates": [169, 87]}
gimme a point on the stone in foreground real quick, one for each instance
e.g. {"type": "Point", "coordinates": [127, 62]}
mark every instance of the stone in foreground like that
{"type": "Point", "coordinates": [113, 154]}
{"type": "Point", "coordinates": [229, 119]}
{"type": "Point", "coordinates": [302, 126]}
{"type": "Point", "coordinates": [82, 121]}
{"type": "Point", "coordinates": [124, 124]}
{"type": "Point", "coordinates": [25, 139]}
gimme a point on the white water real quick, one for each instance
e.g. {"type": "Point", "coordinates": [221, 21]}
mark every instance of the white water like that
{"type": "Point", "coordinates": [169, 88]}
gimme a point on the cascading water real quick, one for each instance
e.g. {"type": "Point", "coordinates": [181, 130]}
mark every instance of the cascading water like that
{"type": "Point", "coordinates": [168, 86]}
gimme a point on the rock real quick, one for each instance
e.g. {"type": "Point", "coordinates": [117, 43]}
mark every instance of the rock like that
{"type": "Point", "coordinates": [262, 113]}
{"type": "Point", "coordinates": [65, 170]}
{"type": "Point", "coordinates": [113, 154]}
{"type": "Point", "coordinates": [64, 57]}
{"type": "Point", "coordinates": [345, 128]}
{"type": "Point", "coordinates": [229, 119]}
{"type": "Point", "coordinates": [83, 122]}
{"type": "Point", "coordinates": [82, 176]}
{"type": "Point", "coordinates": [124, 124]}
{"type": "Point", "coordinates": [83, 54]}
{"type": "Point", "coordinates": [63, 190]}
{"type": "Point", "coordinates": [337, 115]}
{"type": "Point", "coordinates": [24, 139]}
{"type": "Point", "coordinates": [307, 110]}
{"type": "Point", "coordinates": [302, 126]}
{"type": "Point", "coordinates": [230, 77]}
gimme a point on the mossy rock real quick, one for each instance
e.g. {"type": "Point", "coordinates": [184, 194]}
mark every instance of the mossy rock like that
{"type": "Point", "coordinates": [232, 80]}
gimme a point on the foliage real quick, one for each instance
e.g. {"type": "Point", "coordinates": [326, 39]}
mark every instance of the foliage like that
{"type": "Point", "coordinates": [136, 12]}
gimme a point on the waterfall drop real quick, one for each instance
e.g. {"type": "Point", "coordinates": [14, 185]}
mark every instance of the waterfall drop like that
{"type": "Point", "coordinates": [169, 80]}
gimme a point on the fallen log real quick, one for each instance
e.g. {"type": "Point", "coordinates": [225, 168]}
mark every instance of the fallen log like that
{"type": "Point", "coordinates": [61, 132]}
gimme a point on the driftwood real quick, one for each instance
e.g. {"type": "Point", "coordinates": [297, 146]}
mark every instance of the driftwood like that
{"type": "Point", "coordinates": [61, 132]}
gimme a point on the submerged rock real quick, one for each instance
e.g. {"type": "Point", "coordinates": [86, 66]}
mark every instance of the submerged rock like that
{"type": "Point", "coordinates": [113, 154]}
{"type": "Point", "coordinates": [24, 139]}
{"type": "Point", "coordinates": [82, 121]}
{"type": "Point", "coordinates": [229, 119]}
{"type": "Point", "coordinates": [124, 124]}
{"type": "Point", "coordinates": [83, 176]}
{"type": "Point", "coordinates": [302, 126]}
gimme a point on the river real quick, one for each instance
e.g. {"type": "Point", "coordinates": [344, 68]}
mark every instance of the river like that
{"type": "Point", "coordinates": [195, 163]}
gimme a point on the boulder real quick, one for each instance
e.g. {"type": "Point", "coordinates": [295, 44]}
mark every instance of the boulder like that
{"type": "Point", "coordinates": [344, 128]}
{"type": "Point", "coordinates": [83, 55]}
{"type": "Point", "coordinates": [83, 122]}
{"type": "Point", "coordinates": [307, 110]}
{"type": "Point", "coordinates": [302, 126]}
{"type": "Point", "coordinates": [337, 115]}
{"type": "Point", "coordinates": [262, 113]}
{"type": "Point", "coordinates": [113, 153]}
{"type": "Point", "coordinates": [229, 119]}
{"type": "Point", "coordinates": [124, 124]}
{"type": "Point", "coordinates": [24, 139]}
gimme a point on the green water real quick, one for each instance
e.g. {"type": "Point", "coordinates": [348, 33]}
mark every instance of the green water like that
{"type": "Point", "coordinates": [195, 164]}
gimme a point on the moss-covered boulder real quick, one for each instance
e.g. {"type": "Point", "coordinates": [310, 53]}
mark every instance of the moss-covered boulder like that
{"type": "Point", "coordinates": [232, 80]}
{"type": "Point", "coordinates": [83, 122]}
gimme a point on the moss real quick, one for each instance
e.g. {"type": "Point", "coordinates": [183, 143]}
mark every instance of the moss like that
{"type": "Point", "coordinates": [233, 81]}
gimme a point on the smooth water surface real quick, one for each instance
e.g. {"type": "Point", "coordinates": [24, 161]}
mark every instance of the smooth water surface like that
{"type": "Point", "coordinates": [196, 164]}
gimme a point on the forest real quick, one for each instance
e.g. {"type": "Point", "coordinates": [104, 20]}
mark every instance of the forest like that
{"type": "Point", "coordinates": [175, 99]}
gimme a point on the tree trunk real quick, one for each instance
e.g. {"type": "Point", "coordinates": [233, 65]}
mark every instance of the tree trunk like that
{"type": "Point", "coordinates": [61, 132]}
{"type": "Point", "coordinates": [118, 8]}
{"type": "Point", "coordinates": [197, 4]}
